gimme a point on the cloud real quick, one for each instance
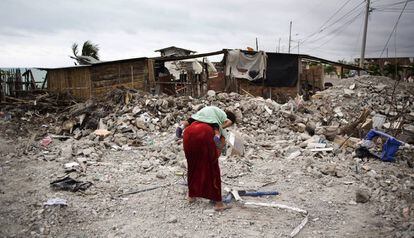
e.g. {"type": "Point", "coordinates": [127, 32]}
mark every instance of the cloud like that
{"type": "Point", "coordinates": [43, 31]}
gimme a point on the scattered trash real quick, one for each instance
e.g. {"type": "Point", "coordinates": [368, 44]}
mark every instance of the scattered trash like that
{"type": "Point", "coordinates": [378, 121]}
{"type": "Point", "coordinates": [229, 196]}
{"type": "Point", "coordinates": [390, 147]}
{"type": "Point", "coordinates": [144, 190]}
{"type": "Point", "coordinates": [56, 202]}
{"type": "Point", "coordinates": [71, 165]}
{"type": "Point", "coordinates": [282, 206]}
{"type": "Point", "coordinates": [268, 110]}
{"type": "Point", "coordinates": [237, 197]}
{"type": "Point", "coordinates": [5, 116]}
{"type": "Point", "coordinates": [299, 227]}
{"type": "Point", "coordinates": [321, 149]}
{"type": "Point", "coordinates": [293, 155]}
{"type": "Point", "coordinates": [70, 184]}
{"type": "Point", "coordinates": [236, 143]}
{"type": "Point", "coordinates": [46, 141]}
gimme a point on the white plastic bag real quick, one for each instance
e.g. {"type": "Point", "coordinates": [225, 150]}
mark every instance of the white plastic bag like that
{"type": "Point", "coordinates": [236, 143]}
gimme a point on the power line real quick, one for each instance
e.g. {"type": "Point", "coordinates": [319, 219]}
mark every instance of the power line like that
{"type": "Point", "coordinates": [337, 11]}
{"type": "Point", "coordinates": [339, 30]}
{"type": "Point", "coordinates": [321, 27]}
{"type": "Point", "coordinates": [410, 12]}
{"type": "Point", "coordinates": [395, 3]}
{"type": "Point", "coordinates": [332, 24]}
{"type": "Point", "coordinates": [335, 29]}
{"type": "Point", "coordinates": [395, 27]}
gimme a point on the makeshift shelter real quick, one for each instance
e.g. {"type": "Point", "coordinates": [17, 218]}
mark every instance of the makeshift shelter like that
{"type": "Point", "coordinates": [285, 75]}
{"type": "Point", "coordinates": [95, 80]}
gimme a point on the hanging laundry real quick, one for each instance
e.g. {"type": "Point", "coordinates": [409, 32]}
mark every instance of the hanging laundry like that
{"type": "Point", "coordinates": [247, 65]}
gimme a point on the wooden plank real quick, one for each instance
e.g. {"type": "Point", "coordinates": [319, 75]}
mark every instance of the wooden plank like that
{"type": "Point", "coordinates": [151, 74]}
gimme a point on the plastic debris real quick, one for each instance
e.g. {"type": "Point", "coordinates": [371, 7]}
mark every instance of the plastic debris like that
{"type": "Point", "coordinates": [56, 202]}
{"type": "Point", "coordinates": [46, 141]}
{"type": "Point", "coordinates": [70, 184]}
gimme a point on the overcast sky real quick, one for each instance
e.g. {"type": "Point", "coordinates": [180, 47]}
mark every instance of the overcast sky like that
{"type": "Point", "coordinates": [40, 33]}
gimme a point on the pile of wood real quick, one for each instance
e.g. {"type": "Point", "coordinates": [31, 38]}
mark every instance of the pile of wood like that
{"type": "Point", "coordinates": [45, 102]}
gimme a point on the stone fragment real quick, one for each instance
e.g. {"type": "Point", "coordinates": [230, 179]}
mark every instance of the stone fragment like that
{"type": "Point", "coordinates": [352, 202]}
{"type": "Point", "coordinates": [77, 134]}
{"type": "Point", "coordinates": [102, 133]}
{"type": "Point", "coordinates": [348, 92]}
{"type": "Point", "coordinates": [304, 136]}
{"type": "Point", "coordinates": [172, 219]}
{"type": "Point", "coordinates": [300, 127]}
{"type": "Point", "coordinates": [164, 104]}
{"type": "Point", "coordinates": [87, 151]}
{"type": "Point", "coordinates": [183, 164]}
{"type": "Point", "coordinates": [139, 123]}
{"type": "Point", "coordinates": [329, 169]}
{"type": "Point", "coordinates": [293, 155]}
{"type": "Point", "coordinates": [145, 164]}
{"type": "Point", "coordinates": [362, 195]}
{"type": "Point", "coordinates": [211, 93]}
{"type": "Point", "coordinates": [170, 156]}
{"type": "Point", "coordinates": [136, 110]}
{"type": "Point", "coordinates": [310, 127]}
{"type": "Point", "coordinates": [161, 174]}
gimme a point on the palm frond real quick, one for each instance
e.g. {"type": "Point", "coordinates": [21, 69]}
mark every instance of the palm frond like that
{"type": "Point", "coordinates": [75, 49]}
{"type": "Point", "coordinates": [90, 49]}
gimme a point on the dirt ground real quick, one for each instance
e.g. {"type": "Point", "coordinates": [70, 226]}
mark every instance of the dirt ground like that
{"type": "Point", "coordinates": [165, 212]}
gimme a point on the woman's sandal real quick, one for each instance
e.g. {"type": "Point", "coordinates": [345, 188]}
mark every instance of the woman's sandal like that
{"type": "Point", "coordinates": [220, 209]}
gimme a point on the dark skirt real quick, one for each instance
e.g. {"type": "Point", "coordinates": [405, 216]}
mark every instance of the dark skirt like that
{"type": "Point", "coordinates": [202, 159]}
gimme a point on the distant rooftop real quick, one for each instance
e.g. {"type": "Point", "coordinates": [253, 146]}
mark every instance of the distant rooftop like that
{"type": "Point", "coordinates": [174, 51]}
{"type": "Point", "coordinates": [174, 48]}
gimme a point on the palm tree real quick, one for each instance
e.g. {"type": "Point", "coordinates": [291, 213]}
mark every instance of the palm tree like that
{"type": "Point", "coordinates": [89, 53]}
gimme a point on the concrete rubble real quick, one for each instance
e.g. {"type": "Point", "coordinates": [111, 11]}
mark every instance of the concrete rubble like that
{"type": "Point", "coordinates": [303, 149]}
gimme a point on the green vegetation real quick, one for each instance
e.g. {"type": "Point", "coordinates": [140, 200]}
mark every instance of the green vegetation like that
{"type": "Point", "coordinates": [88, 49]}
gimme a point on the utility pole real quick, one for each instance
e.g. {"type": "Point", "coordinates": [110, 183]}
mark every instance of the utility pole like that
{"type": "Point", "coordinates": [278, 48]}
{"type": "Point", "coordinates": [395, 55]}
{"type": "Point", "coordinates": [257, 45]}
{"type": "Point", "coordinates": [364, 39]}
{"type": "Point", "coordinates": [290, 35]}
{"type": "Point", "coordinates": [298, 46]}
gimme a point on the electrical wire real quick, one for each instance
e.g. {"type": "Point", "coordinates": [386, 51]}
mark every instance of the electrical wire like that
{"type": "Point", "coordinates": [335, 30]}
{"type": "Point", "coordinates": [339, 30]}
{"type": "Point", "coordinates": [337, 11]}
{"type": "Point", "coordinates": [394, 4]}
{"type": "Point", "coordinates": [324, 27]}
{"type": "Point", "coordinates": [395, 27]}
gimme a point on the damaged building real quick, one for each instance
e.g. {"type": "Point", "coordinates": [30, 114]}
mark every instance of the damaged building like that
{"type": "Point", "coordinates": [180, 71]}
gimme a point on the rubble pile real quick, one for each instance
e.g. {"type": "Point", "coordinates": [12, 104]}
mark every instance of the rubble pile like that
{"type": "Point", "coordinates": [316, 138]}
{"type": "Point", "coordinates": [343, 105]}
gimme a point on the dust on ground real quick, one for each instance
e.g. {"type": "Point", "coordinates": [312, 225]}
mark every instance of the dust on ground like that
{"type": "Point", "coordinates": [140, 155]}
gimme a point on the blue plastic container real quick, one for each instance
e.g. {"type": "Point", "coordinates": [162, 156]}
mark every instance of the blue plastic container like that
{"type": "Point", "coordinates": [390, 146]}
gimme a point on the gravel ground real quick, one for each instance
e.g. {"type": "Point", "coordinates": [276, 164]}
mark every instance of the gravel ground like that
{"type": "Point", "coordinates": [344, 196]}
